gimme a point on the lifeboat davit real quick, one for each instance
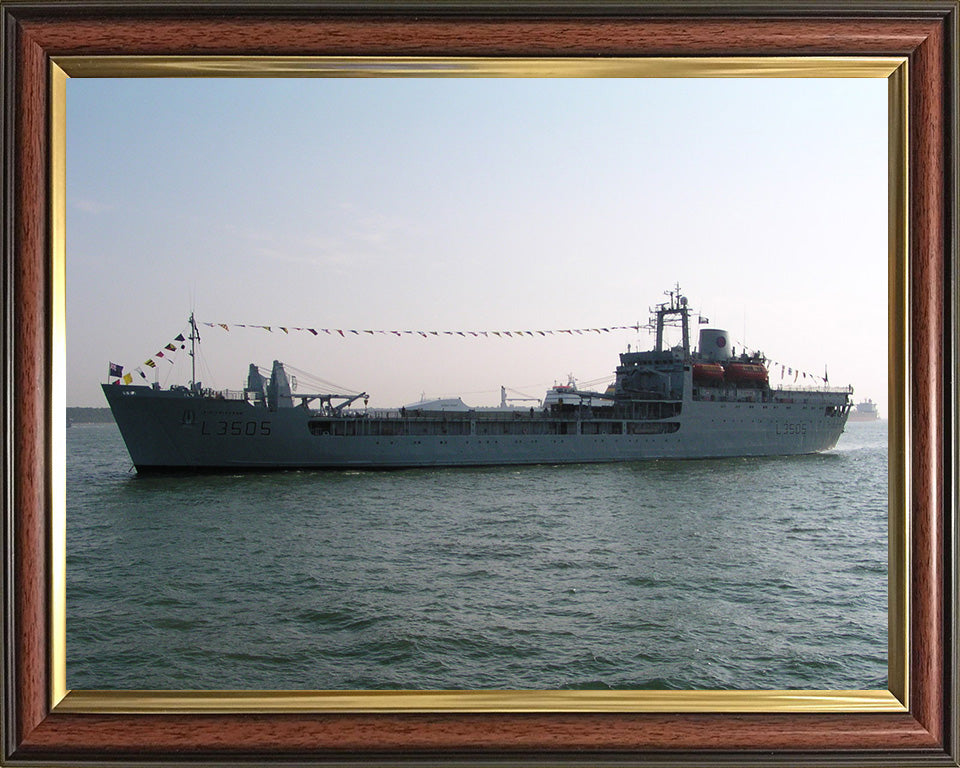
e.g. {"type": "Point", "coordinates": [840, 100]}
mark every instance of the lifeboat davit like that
{"type": "Point", "coordinates": [746, 373]}
{"type": "Point", "coordinates": [707, 373]}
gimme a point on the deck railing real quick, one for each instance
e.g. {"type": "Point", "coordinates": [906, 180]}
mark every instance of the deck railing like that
{"type": "Point", "coordinates": [225, 394]}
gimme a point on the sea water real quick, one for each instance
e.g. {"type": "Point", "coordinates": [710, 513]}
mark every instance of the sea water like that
{"type": "Point", "coordinates": [718, 574]}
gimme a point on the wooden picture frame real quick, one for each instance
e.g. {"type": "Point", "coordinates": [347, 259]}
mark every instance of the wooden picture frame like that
{"type": "Point", "coordinates": [39, 728]}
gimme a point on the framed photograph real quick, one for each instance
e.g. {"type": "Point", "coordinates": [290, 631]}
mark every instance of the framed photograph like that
{"type": "Point", "coordinates": [182, 71]}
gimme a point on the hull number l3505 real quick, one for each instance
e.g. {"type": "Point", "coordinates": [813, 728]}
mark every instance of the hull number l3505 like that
{"type": "Point", "coordinates": [237, 428]}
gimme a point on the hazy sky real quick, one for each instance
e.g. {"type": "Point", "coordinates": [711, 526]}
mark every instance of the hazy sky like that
{"type": "Point", "coordinates": [449, 204]}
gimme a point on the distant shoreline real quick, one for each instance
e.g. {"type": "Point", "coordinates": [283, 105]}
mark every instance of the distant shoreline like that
{"type": "Point", "coordinates": [82, 415]}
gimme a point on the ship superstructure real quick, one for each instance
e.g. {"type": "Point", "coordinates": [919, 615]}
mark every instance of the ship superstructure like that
{"type": "Point", "coordinates": [669, 402]}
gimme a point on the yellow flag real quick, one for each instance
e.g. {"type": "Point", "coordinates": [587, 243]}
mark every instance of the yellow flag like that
{"type": "Point", "coordinates": [127, 378]}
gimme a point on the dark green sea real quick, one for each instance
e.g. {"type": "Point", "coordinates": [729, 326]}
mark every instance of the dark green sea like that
{"type": "Point", "coordinates": [724, 574]}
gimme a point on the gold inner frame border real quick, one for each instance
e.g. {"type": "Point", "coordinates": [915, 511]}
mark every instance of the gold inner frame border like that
{"type": "Point", "coordinates": [894, 699]}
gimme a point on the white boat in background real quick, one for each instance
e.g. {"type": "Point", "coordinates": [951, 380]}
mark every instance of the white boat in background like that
{"type": "Point", "coordinates": [865, 410]}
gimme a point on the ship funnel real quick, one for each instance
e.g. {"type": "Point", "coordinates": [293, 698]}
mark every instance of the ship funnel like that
{"type": "Point", "coordinates": [714, 344]}
{"type": "Point", "coordinates": [278, 390]}
{"type": "Point", "coordinates": [255, 383]}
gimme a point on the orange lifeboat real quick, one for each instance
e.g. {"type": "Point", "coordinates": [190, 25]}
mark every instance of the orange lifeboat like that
{"type": "Point", "coordinates": [746, 373]}
{"type": "Point", "coordinates": [708, 373]}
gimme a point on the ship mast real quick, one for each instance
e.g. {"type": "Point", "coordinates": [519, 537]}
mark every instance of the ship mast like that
{"type": "Point", "coordinates": [193, 353]}
{"type": "Point", "coordinates": [676, 306]}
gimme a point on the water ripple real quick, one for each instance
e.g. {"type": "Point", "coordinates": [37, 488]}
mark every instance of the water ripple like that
{"type": "Point", "coordinates": [742, 573]}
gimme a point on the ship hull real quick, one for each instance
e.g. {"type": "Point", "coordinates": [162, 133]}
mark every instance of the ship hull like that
{"type": "Point", "coordinates": [171, 431]}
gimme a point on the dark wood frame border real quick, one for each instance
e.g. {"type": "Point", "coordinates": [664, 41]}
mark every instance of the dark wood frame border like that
{"type": "Point", "coordinates": [925, 32]}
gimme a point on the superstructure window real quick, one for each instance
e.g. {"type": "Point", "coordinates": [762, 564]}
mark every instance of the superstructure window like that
{"type": "Point", "coordinates": [652, 428]}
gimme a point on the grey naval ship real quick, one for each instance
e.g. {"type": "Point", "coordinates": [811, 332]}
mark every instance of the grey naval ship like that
{"type": "Point", "coordinates": [666, 403]}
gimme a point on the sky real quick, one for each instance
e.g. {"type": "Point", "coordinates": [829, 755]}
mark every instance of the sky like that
{"type": "Point", "coordinates": [470, 205]}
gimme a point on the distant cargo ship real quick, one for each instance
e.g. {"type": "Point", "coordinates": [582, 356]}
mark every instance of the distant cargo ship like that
{"type": "Point", "coordinates": [666, 403]}
{"type": "Point", "coordinates": [865, 411]}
